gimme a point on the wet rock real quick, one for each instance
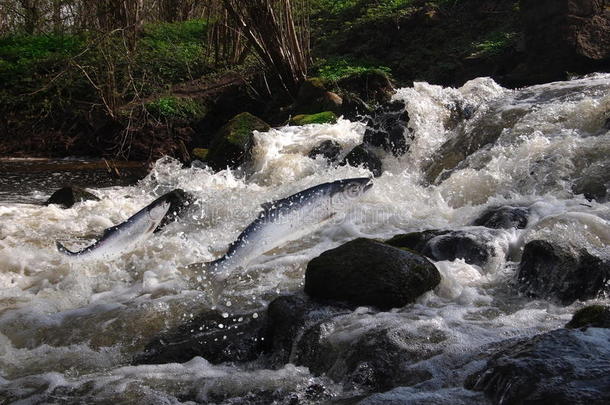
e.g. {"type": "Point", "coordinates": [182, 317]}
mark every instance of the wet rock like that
{"type": "Point", "coordinates": [551, 271]}
{"type": "Point", "coordinates": [180, 201]}
{"type": "Point", "coordinates": [594, 182]}
{"type": "Point", "coordinates": [376, 360]}
{"type": "Point", "coordinates": [231, 144]}
{"type": "Point", "coordinates": [367, 272]}
{"type": "Point", "coordinates": [313, 97]}
{"type": "Point", "coordinates": [474, 247]}
{"type": "Point", "coordinates": [559, 367]}
{"type": "Point", "coordinates": [326, 117]}
{"type": "Point", "coordinates": [238, 337]}
{"type": "Point", "coordinates": [361, 156]}
{"type": "Point", "coordinates": [469, 139]}
{"type": "Point", "coordinates": [288, 316]}
{"type": "Point", "coordinates": [387, 127]}
{"type": "Point", "coordinates": [505, 217]}
{"type": "Point", "coordinates": [353, 107]}
{"type": "Point", "coordinates": [373, 86]}
{"type": "Point", "coordinates": [564, 36]}
{"type": "Point", "coordinates": [411, 396]}
{"type": "Point", "coordinates": [329, 150]}
{"type": "Point", "coordinates": [597, 316]}
{"type": "Point", "coordinates": [70, 195]}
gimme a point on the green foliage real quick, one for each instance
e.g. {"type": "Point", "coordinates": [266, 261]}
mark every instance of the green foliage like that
{"type": "Point", "coordinates": [24, 56]}
{"type": "Point", "coordinates": [337, 69]}
{"type": "Point", "coordinates": [193, 31]}
{"type": "Point", "coordinates": [319, 118]}
{"type": "Point", "coordinates": [175, 108]}
{"type": "Point", "coordinates": [494, 43]}
{"type": "Point", "coordinates": [173, 52]}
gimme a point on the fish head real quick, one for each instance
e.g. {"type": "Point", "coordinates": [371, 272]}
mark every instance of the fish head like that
{"type": "Point", "coordinates": [158, 211]}
{"type": "Point", "coordinates": [350, 189]}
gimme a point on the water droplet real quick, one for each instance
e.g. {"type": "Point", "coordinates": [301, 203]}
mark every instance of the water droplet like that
{"type": "Point", "coordinates": [255, 315]}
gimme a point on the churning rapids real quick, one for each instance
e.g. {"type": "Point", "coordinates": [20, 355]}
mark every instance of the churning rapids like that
{"type": "Point", "coordinates": [69, 331]}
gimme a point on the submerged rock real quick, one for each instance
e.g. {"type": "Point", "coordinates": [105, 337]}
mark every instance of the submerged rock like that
{"type": "Point", "coordinates": [288, 317]}
{"type": "Point", "coordinates": [386, 128]}
{"type": "Point", "coordinates": [326, 117]}
{"type": "Point", "coordinates": [328, 149]}
{"type": "Point", "coordinates": [474, 247]}
{"type": "Point", "coordinates": [367, 272]}
{"type": "Point", "coordinates": [231, 144]}
{"type": "Point", "coordinates": [505, 217]}
{"type": "Point", "coordinates": [216, 338]}
{"type": "Point", "coordinates": [559, 367]}
{"type": "Point", "coordinates": [550, 271]}
{"type": "Point", "coordinates": [597, 316]}
{"type": "Point", "coordinates": [376, 360]}
{"type": "Point", "coordinates": [70, 195]}
{"type": "Point", "coordinates": [361, 156]}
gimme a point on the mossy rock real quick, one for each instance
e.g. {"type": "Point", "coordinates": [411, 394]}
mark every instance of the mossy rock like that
{"type": "Point", "coordinates": [597, 316]}
{"type": "Point", "coordinates": [233, 141]}
{"type": "Point", "coordinates": [373, 86]}
{"type": "Point", "coordinates": [200, 153]}
{"type": "Point", "coordinates": [311, 89]}
{"type": "Point", "coordinates": [326, 117]}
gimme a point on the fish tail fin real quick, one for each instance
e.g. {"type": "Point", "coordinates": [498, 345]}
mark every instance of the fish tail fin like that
{"type": "Point", "coordinates": [65, 250]}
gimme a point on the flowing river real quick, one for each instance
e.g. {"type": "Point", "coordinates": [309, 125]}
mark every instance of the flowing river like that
{"type": "Point", "coordinates": [69, 331]}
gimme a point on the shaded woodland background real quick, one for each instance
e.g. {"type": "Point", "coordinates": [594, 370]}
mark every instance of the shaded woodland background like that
{"type": "Point", "coordinates": [141, 78]}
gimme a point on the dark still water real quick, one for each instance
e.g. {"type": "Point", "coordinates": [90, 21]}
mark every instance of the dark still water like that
{"type": "Point", "coordinates": [34, 180]}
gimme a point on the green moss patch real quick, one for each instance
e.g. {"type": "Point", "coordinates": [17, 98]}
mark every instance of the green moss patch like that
{"type": "Point", "coordinates": [326, 117]}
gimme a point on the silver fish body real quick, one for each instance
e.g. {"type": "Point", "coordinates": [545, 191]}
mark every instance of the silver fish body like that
{"type": "Point", "coordinates": [122, 238]}
{"type": "Point", "coordinates": [288, 219]}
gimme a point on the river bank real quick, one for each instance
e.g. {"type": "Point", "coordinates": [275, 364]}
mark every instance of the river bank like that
{"type": "Point", "coordinates": [182, 99]}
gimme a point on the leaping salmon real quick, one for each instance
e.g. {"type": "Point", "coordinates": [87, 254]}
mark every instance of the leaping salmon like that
{"type": "Point", "coordinates": [121, 238]}
{"type": "Point", "coordinates": [287, 219]}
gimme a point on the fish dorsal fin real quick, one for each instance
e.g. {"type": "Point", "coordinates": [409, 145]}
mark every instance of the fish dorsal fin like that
{"type": "Point", "coordinates": [268, 205]}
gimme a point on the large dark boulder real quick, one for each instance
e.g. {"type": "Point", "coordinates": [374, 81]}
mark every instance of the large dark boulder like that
{"type": "Point", "coordinates": [474, 247]}
{"type": "Point", "coordinates": [362, 156]}
{"type": "Point", "coordinates": [231, 144]}
{"type": "Point", "coordinates": [504, 217]}
{"type": "Point", "coordinates": [551, 271]}
{"type": "Point", "coordinates": [215, 336]}
{"type": "Point", "coordinates": [387, 127]}
{"type": "Point", "coordinates": [597, 316]}
{"type": "Point", "coordinates": [70, 195]}
{"type": "Point", "coordinates": [559, 367]}
{"type": "Point", "coordinates": [367, 272]}
{"type": "Point", "coordinates": [563, 36]}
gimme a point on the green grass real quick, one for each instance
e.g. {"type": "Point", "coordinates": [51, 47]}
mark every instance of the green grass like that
{"type": "Point", "coordinates": [495, 43]}
{"type": "Point", "coordinates": [175, 108]}
{"type": "Point", "coordinates": [336, 69]}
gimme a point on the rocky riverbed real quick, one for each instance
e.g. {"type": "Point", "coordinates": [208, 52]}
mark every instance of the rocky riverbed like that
{"type": "Point", "coordinates": [450, 281]}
